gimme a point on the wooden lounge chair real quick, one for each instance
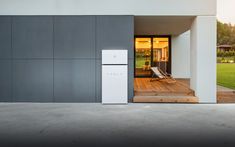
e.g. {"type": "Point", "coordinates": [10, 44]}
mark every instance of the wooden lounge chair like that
{"type": "Point", "coordinates": [158, 75]}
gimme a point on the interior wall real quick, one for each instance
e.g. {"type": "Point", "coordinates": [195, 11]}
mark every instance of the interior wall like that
{"type": "Point", "coordinates": [58, 58]}
{"type": "Point", "coordinates": [181, 55]}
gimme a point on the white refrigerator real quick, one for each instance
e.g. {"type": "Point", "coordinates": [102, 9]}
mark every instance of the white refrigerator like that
{"type": "Point", "coordinates": [114, 76]}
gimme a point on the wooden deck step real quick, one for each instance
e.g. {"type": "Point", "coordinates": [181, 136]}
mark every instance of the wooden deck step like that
{"type": "Point", "coordinates": [164, 93]}
{"type": "Point", "coordinates": [226, 96]}
{"type": "Point", "coordinates": [165, 99]}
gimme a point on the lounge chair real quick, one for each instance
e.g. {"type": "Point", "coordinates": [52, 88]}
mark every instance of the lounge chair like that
{"type": "Point", "coordinates": [158, 75]}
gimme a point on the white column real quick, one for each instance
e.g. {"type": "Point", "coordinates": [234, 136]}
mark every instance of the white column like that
{"type": "Point", "coordinates": [203, 58]}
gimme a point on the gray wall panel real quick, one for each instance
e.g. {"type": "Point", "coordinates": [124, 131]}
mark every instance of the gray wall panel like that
{"type": "Point", "coordinates": [130, 79]}
{"type": "Point", "coordinates": [5, 78]}
{"type": "Point", "coordinates": [5, 37]}
{"type": "Point", "coordinates": [32, 37]}
{"type": "Point", "coordinates": [98, 80]}
{"type": "Point", "coordinates": [115, 32]}
{"type": "Point", "coordinates": [74, 80]}
{"type": "Point", "coordinates": [73, 45]}
{"type": "Point", "coordinates": [74, 37]}
{"type": "Point", "coordinates": [33, 80]}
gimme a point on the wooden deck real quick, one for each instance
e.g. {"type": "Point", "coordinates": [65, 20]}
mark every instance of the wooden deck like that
{"type": "Point", "coordinates": [163, 92]}
{"type": "Point", "coordinates": [225, 95]}
{"type": "Point", "coordinates": [143, 86]}
{"type": "Point", "coordinates": [179, 92]}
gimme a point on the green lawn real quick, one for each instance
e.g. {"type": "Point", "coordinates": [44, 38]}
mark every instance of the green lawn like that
{"type": "Point", "coordinates": [226, 75]}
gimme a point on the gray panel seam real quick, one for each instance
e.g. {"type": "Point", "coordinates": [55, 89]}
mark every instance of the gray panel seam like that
{"type": "Point", "coordinates": [53, 48]}
{"type": "Point", "coordinates": [75, 58]}
{"type": "Point", "coordinates": [12, 99]}
{"type": "Point", "coordinates": [96, 95]}
{"type": "Point", "coordinates": [33, 59]}
{"type": "Point", "coordinates": [49, 59]}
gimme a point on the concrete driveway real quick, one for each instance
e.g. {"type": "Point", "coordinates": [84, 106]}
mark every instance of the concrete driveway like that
{"type": "Point", "coordinates": [32, 124]}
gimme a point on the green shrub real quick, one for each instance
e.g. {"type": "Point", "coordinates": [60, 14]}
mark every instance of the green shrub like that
{"type": "Point", "coordinates": [218, 53]}
{"type": "Point", "coordinates": [230, 53]}
{"type": "Point", "coordinates": [223, 60]}
{"type": "Point", "coordinates": [222, 54]}
{"type": "Point", "coordinates": [227, 54]}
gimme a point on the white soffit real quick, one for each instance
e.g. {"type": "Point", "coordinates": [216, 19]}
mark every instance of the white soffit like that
{"type": "Point", "coordinates": [162, 25]}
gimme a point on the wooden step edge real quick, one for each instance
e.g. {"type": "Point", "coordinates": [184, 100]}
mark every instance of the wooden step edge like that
{"type": "Point", "coordinates": [158, 91]}
{"type": "Point", "coordinates": [165, 99]}
{"type": "Point", "coordinates": [164, 94]}
{"type": "Point", "coordinates": [226, 98]}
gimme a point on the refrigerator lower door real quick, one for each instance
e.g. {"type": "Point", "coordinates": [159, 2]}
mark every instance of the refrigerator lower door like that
{"type": "Point", "coordinates": [114, 84]}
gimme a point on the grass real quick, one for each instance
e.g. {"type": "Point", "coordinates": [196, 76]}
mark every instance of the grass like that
{"type": "Point", "coordinates": [226, 75]}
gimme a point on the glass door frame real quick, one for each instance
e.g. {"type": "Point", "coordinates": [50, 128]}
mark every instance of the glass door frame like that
{"type": "Point", "coordinates": [152, 36]}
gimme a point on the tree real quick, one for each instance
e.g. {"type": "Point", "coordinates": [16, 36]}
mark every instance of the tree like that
{"type": "Point", "coordinates": [225, 33]}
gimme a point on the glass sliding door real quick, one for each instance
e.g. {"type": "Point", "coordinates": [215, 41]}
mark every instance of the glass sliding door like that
{"type": "Point", "coordinates": [151, 52]}
{"type": "Point", "coordinates": [143, 56]}
{"type": "Point", "coordinates": [161, 53]}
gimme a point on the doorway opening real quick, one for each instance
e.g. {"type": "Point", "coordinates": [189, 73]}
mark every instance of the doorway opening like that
{"type": "Point", "coordinates": [152, 51]}
{"type": "Point", "coordinates": [155, 51]}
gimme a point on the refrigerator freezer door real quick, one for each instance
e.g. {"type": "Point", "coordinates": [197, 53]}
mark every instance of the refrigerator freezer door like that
{"type": "Point", "coordinates": [114, 84]}
{"type": "Point", "coordinates": [114, 56]}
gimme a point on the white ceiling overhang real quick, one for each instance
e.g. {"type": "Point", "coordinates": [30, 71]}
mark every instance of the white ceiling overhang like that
{"type": "Point", "coordinates": [162, 25]}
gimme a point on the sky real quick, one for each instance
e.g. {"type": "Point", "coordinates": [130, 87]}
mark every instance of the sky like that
{"type": "Point", "coordinates": [226, 11]}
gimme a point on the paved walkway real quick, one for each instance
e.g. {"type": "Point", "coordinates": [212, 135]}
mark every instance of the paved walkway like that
{"type": "Point", "coordinates": [131, 125]}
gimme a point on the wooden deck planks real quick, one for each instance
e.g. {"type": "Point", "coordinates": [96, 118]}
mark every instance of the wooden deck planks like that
{"type": "Point", "coordinates": [179, 92]}
{"type": "Point", "coordinates": [163, 92]}
{"type": "Point", "coordinates": [143, 85]}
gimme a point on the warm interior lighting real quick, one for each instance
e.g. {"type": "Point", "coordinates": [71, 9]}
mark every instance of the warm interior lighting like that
{"type": "Point", "coordinates": [160, 49]}
{"type": "Point", "coordinates": [150, 52]}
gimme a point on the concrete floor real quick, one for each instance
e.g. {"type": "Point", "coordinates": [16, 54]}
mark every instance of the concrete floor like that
{"type": "Point", "coordinates": [104, 125]}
